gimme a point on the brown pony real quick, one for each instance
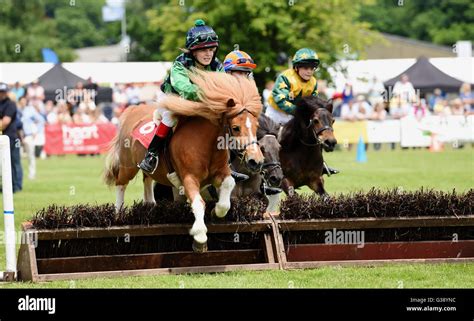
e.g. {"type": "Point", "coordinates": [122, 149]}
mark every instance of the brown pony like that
{"type": "Point", "coordinates": [228, 105]}
{"type": "Point", "coordinates": [302, 140]}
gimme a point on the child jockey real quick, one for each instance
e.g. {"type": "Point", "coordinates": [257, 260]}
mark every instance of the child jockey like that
{"type": "Point", "coordinates": [293, 83]}
{"type": "Point", "coordinates": [239, 63]}
{"type": "Point", "coordinates": [201, 49]}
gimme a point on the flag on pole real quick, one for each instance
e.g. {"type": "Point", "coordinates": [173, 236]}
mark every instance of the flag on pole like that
{"type": "Point", "coordinates": [112, 13]}
{"type": "Point", "coordinates": [49, 55]}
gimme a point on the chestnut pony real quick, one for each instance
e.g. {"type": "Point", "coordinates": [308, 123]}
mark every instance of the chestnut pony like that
{"type": "Point", "coordinates": [227, 105]}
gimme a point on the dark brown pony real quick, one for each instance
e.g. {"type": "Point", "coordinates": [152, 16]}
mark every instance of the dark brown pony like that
{"type": "Point", "coordinates": [302, 140]}
{"type": "Point", "coordinates": [227, 105]}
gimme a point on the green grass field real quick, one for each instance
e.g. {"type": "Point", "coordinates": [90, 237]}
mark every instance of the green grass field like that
{"type": "Point", "coordinates": [73, 180]}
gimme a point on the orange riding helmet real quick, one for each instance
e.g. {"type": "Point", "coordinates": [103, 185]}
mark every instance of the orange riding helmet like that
{"type": "Point", "coordinates": [239, 60]}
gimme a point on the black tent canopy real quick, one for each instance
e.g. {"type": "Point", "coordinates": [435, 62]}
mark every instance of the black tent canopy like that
{"type": "Point", "coordinates": [55, 80]}
{"type": "Point", "coordinates": [426, 77]}
{"type": "Point", "coordinates": [58, 77]}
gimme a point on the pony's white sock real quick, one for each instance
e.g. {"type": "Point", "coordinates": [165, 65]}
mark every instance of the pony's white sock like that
{"type": "Point", "coordinates": [120, 190]}
{"type": "Point", "coordinates": [223, 206]}
{"type": "Point", "coordinates": [199, 229]}
{"type": "Point", "coordinates": [148, 196]}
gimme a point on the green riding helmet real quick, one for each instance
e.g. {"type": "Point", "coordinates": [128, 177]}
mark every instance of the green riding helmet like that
{"type": "Point", "coordinates": [306, 56]}
{"type": "Point", "coordinates": [201, 36]}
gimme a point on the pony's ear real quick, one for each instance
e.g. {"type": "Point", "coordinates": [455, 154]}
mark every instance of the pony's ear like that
{"type": "Point", "coordinates": [230, 103]}
{"type": "Point", "coordinates": [329, 106]}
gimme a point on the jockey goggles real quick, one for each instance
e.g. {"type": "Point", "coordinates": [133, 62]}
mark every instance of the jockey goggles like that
{"type": "Point", "coordinates": [246, 63]}
{"type": "Point", "coordinates": [205, 38]}
{"type": "Point", "coordinates": [242, 61]}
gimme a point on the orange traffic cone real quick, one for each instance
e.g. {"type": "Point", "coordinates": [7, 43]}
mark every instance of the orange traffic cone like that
{"type": "Point", "coordinates": [436, 145]}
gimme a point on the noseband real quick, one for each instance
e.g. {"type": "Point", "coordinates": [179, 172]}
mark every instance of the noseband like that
{"type": "Point", "coordinates": [268, 167]}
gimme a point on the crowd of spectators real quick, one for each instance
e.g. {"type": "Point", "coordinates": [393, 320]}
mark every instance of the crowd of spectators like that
{"type": "Point", "coordinates": [400, 101]}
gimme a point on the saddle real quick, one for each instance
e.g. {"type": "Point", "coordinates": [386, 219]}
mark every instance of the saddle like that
{"type": "Point", "coordinates": [144, 133]}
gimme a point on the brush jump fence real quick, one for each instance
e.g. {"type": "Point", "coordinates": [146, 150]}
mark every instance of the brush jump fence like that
{"type": "Point", "coordinates": [359, 229]}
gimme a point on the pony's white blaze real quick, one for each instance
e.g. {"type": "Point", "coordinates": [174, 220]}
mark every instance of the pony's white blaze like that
{"type": "Point", "coordinates": [248, 124]}
{"type": "Point", "coordinates": [120, 189]}
{"type": "Point", "coordinates": [199, 229]}
{"type": "Point", "coordinates": [223, 205]}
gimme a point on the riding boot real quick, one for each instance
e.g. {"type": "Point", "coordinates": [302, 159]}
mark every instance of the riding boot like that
{"type": "Point", "coordinates": [238, 177]}
{"type": "Point", "coordinates": [328, 170]}
{"type": "Point", "coordinates": [150, 163]}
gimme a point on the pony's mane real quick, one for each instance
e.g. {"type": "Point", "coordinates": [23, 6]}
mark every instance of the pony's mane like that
{"type": "Point", "coordinates": [294, 129]}
{"type": "Point", "coordinates": [266, 126]}
{"type": "Point", "coordinates": [215, 90]}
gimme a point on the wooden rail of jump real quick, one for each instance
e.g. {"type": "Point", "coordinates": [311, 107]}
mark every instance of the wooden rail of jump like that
{"type": "Point", "coordinates": [294, 256]}
{"type": "Point", "coordinates": [272, 252]}
{"type": "Point", "coordinates": [46, 269]}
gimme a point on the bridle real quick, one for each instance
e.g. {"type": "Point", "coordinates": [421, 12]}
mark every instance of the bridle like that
{"type": "Point", "coordinates": [268, 167]}
{"type": "Point", "coordinates": [238, 152]}
{"type": "Point", "coordinates": [316, 133]}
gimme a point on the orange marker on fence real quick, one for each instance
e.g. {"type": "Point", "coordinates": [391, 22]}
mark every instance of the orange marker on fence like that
{"type": "Point", "coordinates": [436, 145]}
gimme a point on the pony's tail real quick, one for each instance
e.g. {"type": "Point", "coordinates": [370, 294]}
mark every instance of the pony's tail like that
{"type": "Point", "coordinates": [112, 162]}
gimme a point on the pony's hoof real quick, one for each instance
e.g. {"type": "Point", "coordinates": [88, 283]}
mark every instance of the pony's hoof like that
{"type": "Point", "coordinates": [220, 211]}
{"type": "Point", "coordinates": [214, 217]}
{"type": "Point", "coordinates": [199, 247]}
{"type": "Point", "coordinates": [199, 235]}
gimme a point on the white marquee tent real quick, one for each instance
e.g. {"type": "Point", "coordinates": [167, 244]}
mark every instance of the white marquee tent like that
{"type": "Point", "coordinates": [106, 72]}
